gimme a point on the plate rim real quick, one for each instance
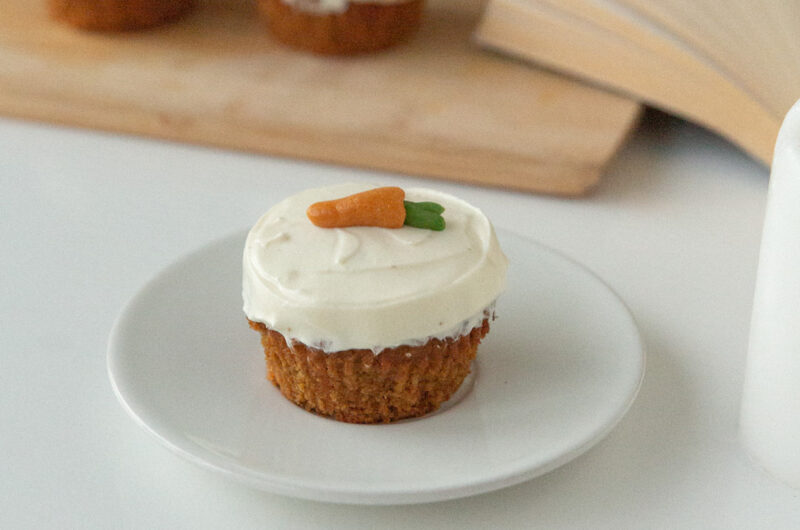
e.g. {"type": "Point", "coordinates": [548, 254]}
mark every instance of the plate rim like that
{"type": "Point", "coordinates": [393, 495]}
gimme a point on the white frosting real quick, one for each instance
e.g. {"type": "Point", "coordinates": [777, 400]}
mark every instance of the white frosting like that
{"type": "Point", "coordinates": [334, 6]}
{"type": "Point", "coordinates": [367, 287]}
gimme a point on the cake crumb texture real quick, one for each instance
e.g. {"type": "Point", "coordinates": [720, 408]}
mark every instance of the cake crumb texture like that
{"type": "Point", "coordinates": [357, 386]}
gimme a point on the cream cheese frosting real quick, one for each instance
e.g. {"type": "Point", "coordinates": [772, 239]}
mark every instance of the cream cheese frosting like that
{"type": "Point", "coordinates": [334, 6]}
{"type": "Point", "coordinates": [366, 287]}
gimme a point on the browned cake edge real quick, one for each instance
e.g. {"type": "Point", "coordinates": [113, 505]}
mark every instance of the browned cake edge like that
{"type": "Point", "coordinates": [117, 15]}
{"type": "Point", "coordinates": [357, 386]}
{"type": "Point", "coordinates": [363, 27]}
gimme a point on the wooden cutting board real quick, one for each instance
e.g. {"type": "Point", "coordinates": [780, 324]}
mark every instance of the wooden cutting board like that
{"type": "Point", "coordinates": [436, 107]}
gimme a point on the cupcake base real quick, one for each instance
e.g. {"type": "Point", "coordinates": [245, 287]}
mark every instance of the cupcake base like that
{"type": "Point", "coordinates": [357, 386]}
{"type": "Point", "coordinates": [363, 27]}
{"type": "Point", "coordinates": [117, 15]}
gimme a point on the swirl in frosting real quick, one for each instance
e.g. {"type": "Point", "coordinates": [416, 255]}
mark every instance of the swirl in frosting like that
{"type": "Point", "coordinates": [366, 287]}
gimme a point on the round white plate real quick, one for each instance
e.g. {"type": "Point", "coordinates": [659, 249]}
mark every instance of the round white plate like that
{"type": "Point", "coordinates": [560, 367]}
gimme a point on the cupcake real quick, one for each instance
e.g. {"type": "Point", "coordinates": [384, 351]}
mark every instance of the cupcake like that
{"type": "Point", "coordinates": [117, 15]}
{"type": "Point", "coordinates": [341, 27]}
{"type": "Point", "coordinates": [376, 323]}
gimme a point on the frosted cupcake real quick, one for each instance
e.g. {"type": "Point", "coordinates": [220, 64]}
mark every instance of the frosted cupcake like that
{"type": "Point", "coordinates": [340, 27]}
{"type": "Point", "coordinates": [117, 15]}
{"type": "Point", "coordinates": [371, 324]}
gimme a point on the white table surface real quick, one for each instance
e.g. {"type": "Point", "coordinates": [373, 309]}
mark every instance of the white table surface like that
{"type": "Point", "coordinates": [86, 218]}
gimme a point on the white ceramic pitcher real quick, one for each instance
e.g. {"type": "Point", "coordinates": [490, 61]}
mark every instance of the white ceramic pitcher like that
{"type": "Point", "coordinates": [770, 414]}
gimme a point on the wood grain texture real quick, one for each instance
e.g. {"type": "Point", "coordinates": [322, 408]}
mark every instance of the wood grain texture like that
{"type": "Point", "coordinates": [436, 107]}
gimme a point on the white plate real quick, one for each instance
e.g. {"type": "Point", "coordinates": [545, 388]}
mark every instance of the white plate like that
{"type": "Point", "coordinates": [560, 367]}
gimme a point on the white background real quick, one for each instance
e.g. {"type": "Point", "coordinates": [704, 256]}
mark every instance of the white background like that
{"type": "Point", "coordinates": [86, 218]}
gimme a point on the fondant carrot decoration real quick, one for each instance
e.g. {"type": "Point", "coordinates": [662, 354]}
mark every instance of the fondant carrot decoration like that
{"type": "Point", "coordinates": [382, 207]}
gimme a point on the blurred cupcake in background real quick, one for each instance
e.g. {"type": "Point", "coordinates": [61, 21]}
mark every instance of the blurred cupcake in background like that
{"type": "Point", "coordinates": [117, 15]}
{"type": "Point", "coordinates": [342, 27]}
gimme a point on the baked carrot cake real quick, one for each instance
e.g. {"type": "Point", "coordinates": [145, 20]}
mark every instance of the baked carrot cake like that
{"type": "Point", "coordinates": [117, 15]}
{"type": "Point", "coordinates": [340, 27]}
{"type": "Point", "coordinates": [371, 303]}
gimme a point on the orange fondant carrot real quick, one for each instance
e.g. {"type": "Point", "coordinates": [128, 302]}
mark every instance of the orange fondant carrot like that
{"type": "Point", "coordinates": [381, 207]}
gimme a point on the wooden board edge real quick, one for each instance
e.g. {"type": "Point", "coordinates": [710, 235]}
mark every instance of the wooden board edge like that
{"type": "Point", "coordinates": [447, 162]}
